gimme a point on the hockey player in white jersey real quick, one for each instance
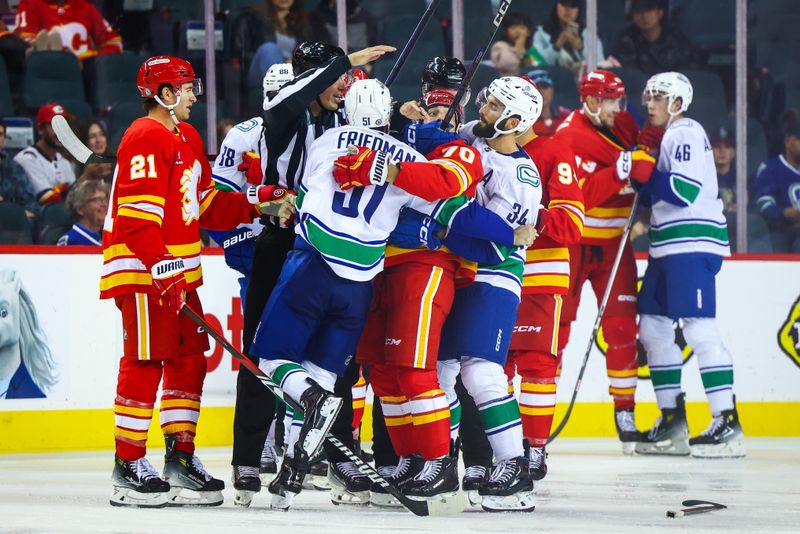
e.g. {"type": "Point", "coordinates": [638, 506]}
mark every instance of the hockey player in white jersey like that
{"type": "Point", "coordinates": [689, 238]}
{"type": "Point", "coordinates": [314, 317]}
{"type": "Point", "coordinates": [241, 163]}
{"type": "Point", "coordinates": [477, 334]}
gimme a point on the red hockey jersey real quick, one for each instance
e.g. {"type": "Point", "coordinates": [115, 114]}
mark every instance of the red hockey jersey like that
{"type": "Point", "coordinates": [162, 193]}
{"type": "Point", "coordinates": [80, 24]}
{"type": "Point", "coordinates": [456, 170]}
{"type": "Point", "coordinates": [547, 260]}
{"type": "Point", "coordinates": [607, 200]}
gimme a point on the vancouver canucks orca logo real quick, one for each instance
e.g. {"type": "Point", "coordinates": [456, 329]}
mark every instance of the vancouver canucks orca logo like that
{"type": "Point", "coordinates": [789, 334]}
{"type": "Point", "coordinates": [644, 369]}
{"type": "Point", "coordinates": [528, 175]}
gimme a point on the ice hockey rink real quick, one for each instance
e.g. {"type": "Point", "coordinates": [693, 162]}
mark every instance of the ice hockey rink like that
{"type": "Point", "coordinates": [591, 487]}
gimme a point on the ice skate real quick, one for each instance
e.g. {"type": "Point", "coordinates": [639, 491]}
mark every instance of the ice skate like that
{"type": "Point", "coordinates": [320, 408]}
{"type": "Point", "coordinates": [407, 468]}
{"type": "Point", "coordinates": [317, 478]}
{"type": "Point", "coordinates": [286, 484]}
{"type": "Point", "coordinates": [246, 483]}
{"type": "Point", "coordinates": [437, 480]}
{"type": "Point", "coordinates": [190, 483]}
{"type": "Point", "coordinates": [537, 465]}
{"type": "Point", "coordinates": [474, 477]}
{"type": "Point", "coordinates": [269, 463]}
{"type": "Point", "coordinates": [509, 487]}
{"type": "Point", "coordinates": [669, 435]}
{"type": "Point", "coordinates": [137, 483]}
{"type": "Point", "coordinates": [348, 484]}
{"type": "Point", "coordinates": [628, 434]}
{"type": "Point", "coordinates": [722, 439]}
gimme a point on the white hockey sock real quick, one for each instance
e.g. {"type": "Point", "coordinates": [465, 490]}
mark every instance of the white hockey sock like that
{"type": "Point", "coordinates": [714, 360]}
{"type": "Point", "coordinates": [657, 334]}
{"type": "Point", "coordinates": [447, 371]}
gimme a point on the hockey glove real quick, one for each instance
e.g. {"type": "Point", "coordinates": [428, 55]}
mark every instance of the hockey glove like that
{"type": "Point", "coordinates": [649, 138]}
{"type": "Point", "coordinates": [361, 167]}
{"type": "Point", "coordinates": [414, 230]}
{"type": "Point", "coordinates": [169, 283]}
{"type": "Point", "coordinates": [269, 198]}
{"type": "Point", "coordinates": [251, 168]}
{"type": "Point", "coordinates": [425, 138]}
{"type": "Point", "coordinates": [636, 166]}
{"type": "Point", "coordinates": [56, 194]}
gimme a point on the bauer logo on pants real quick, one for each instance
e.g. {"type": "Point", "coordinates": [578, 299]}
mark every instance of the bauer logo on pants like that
{"type": "Point", "coordinates": [789, 334]}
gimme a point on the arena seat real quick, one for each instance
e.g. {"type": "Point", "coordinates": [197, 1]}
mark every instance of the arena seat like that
{"type": "Point", "coordinates": [709, 106]}
{"type": "Point", "coordinates": [122, 115]}
{"type": "Point", "coordinates": [54, 222]}
{"type": "Point", "coordinates": [635, 81]}
{"type": "Point", "coordinates": [15, 229]}
{"type": "Point", "coordinates": [51, 75]}
{"type": "Point", "coordinates": [6, 104]}
{"type": "Point", "coordinates": [710, 24]}
{"type": "Point", "coordinates": [80, 109]}
{"type": "Point", "coordinates": [566, 89]}
{"type": "Point", "coordinates": [115, 80]}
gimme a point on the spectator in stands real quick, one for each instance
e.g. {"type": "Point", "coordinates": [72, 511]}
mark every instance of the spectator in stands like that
{"type": "Point", "coordinates": [87, 203]}
{"type": "Point", "coordinates": [514, 50]}
{"type": "Point", "coordinates": [95, 137]}
{"type": "Point", "coordinates": [14, 50]}
{"type": "Point", "coordinates": [267, 34]}
{"type": "Point", "coordinates": [561, 39]}
{"type": "Point", "coordinates": [49, 173]}
{"type": "Point", "coordinates": [73, 25]}
{"type": "Point", "coordinates": [777, 188]}
{"type": "Point", "coordinates": [363, 27]}
{"type": "Point", "coordinates": [651, 45]}
{"type": "Point", "coordinates": [722, 145]}
{"type": "Point", "coordinates": [14, 181]}
{"type": "Point", "coordinates": [552, 115]}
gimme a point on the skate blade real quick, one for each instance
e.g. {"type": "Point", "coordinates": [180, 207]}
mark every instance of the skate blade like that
{"type": "Point", "coordinates": [628, 447]}
{"type": "Point", "coordinates": [667, 447]}
{"type": "Point", "coordinates": [320, 483]}
{"type": "Point", "coordinates": [445, 503]}
{"type": "Point", "coordinates": [121, 496]}
{"type": "Point", "coordinates": [474, 498]}
{"type": "Point", "coordinates": [384, 500]}
{"type": "Point", "coordinates": [243, 498]}
{"type": "Point", "coordinates": [519, 502]}
{"type": "Point", "coordinates": [359, 498]}
{"type": "Point", "coordinates": [282, 502]}
{"type": "Point", "coordinates": [266, 478]}
{"type": "Point", "coordinates": [313, 440]}
{"type": "Point", "coordinates": [731, 449]}
{"type": "Point", "coordinates": [188, 497]}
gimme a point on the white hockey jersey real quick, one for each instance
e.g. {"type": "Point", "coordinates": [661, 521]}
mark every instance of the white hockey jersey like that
{"type": "Point", "coordinates": [350, 228]}
{"type": "Point", "coordinates": [247, 136]}
{"type": "Point", "coordinates": [692, 220]}
{"type": "Point", "coordinates": [512, 188]}
{"type": "Point", "coordinates": [44, 174]}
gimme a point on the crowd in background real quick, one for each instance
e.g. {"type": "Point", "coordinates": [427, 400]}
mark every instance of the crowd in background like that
{"type": "Point", "coordinates": [544, 39]}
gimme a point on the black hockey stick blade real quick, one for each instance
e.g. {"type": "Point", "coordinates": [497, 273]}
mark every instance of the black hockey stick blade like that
{"type": "Point", "coordinates": [420, 508]}
{"type": "Point", "coordinates": [695, 507]}
{"type": "Point", "coordinates": [412, 42]}
{"type": "Point", "coordinates": [74, 145]}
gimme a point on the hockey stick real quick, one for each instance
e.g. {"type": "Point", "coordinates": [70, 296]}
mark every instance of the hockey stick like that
{"type": "Point", "coordinates": [622, 242]}
{"type": "Point", "coordinates": [412, 42]}
{"type": "Point", "coordinates": [74, 145]}
{"type": "Point", "coordinates": [498, 19]}
{"type": "Point", "coordinates": [420, 508]}
{"type": "Point", "coordinates": [695, 507]}
{"type": "Point", "coordinates": [82, 153]}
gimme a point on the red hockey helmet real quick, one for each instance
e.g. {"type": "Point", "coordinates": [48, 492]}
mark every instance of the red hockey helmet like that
{"type": "Point", "coordinates": [440, 97]}
{"type": "Point", "coordinates": [160, 70]}
{"type": "Point", "coordinates": [601, 84]}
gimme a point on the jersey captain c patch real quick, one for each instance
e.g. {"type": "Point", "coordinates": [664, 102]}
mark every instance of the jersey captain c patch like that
{"type": "Point", "coordinates": [789, 334]}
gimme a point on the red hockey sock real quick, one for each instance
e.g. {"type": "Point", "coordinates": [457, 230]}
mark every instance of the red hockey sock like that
{"type": "Point", "coordinates": [537, 400]}
{"type": "Point", "coordinates": [180, 398]}
{"type": "Point", "coordinates": [430, 411]}
{"type": "Point", "coordinates": [621, 360]}
{"type": "Point", "coordinates": [359, 399]}
{"type": "Point", "coordinates": [396, 409]}
{"type": "Point", "coordinates": [137, 384]}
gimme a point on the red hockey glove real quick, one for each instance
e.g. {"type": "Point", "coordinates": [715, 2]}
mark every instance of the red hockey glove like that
{"type": "Point", "coordinates": [169, 284]}
{"type": "Point", "coordinates": [57, 194]}
{"type": "Point", "coordinates": [542, 218]}
{"type": "Point", "coordinates": [361, 167]}
{"type": "Point", "coordinates": [251, 167]}
{"type": "Point", "coordinates": [270, 198]}
{"type": "Point", "coordinates": [636, 165]}
{"type": "Point", "coordinates": [649, 138]}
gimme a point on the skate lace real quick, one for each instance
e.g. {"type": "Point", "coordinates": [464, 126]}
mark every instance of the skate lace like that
{"type": "Point", "coordinates": [625, 421]}
{"type": "Point", "coordinates": [503, 471]}
{"type": "Point", "coordinates": [537, 457]}
{"type": "Point", "coordinates": [246, 471]}
{"type": "Point", "coordinates": [198, 466]}
{"type": "Point", "coordinates": [475, 471]}
{"type": "Point", "coordinates": [716, 423]}
{"type": "Point", "coordinates": [402, 466]}
{"type": "Point", "coordinates": [386, 471]}
{"type": "Point", "coordinates": [349, 469]}
{"type": "Point", "coordinates": [430, 471]}
{"type": "Point", "coordinates": [144, 469]}
{"type": "Point", "coordinates": [656, 427]}
{"type": "Point", "coordinates": [269, 454]}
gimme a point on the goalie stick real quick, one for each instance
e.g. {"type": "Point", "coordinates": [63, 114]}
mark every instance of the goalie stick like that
{"type": "Point", "coordinates": [412, 42]}
{"type": "Point", "coordinates": [695, 507]}
{"type": "Point", "coordinates": [450, 506]}
{"type": "Point", "coordinates": [600, 310]}
{"type": "Point", "coordinates": [498, 19]}
{"type": "Point", "coordinates": [85, 156]}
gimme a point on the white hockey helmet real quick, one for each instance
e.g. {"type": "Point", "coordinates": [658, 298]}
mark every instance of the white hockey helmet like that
{"type": "Point", "coordinates": [673, 85]}
{"type": "Point", "coordinates": [276, 77]}
{"type": "Point", "coordinates": [368, 103]}
{"type": "Point", "coordinates": [521, 98]}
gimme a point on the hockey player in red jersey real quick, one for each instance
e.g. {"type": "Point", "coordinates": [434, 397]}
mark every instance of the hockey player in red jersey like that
{"type": "Point", "coordinates": [78, 24]}
{"type": "Point", "coordinates": [162, 193]}
{"type": "Point", "coordinates": [601, 134]}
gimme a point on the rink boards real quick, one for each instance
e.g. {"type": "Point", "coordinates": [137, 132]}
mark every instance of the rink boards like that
{"type": "Point", "coordinates": [758, 311]}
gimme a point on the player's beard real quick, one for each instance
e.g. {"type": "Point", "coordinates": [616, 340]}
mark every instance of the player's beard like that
{"type": "Point", "coordinates": [484, 129]}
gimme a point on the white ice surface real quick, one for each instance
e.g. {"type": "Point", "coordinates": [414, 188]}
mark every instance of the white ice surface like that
{"type": "Point", "coordinates": [591, 487]}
